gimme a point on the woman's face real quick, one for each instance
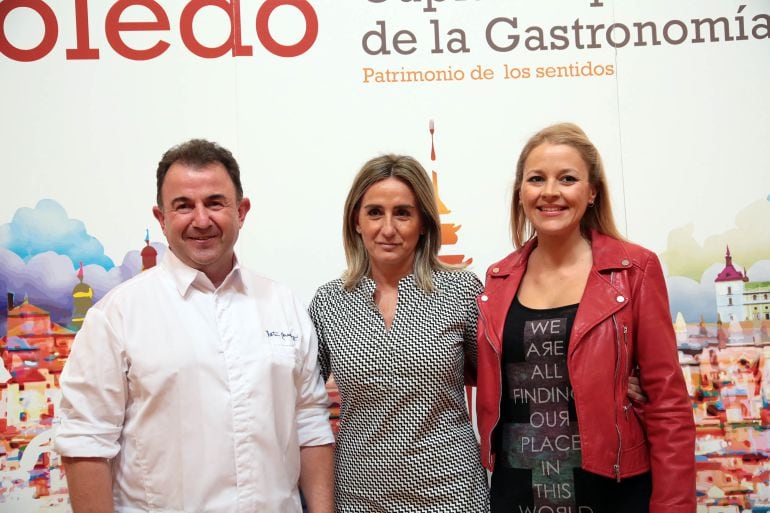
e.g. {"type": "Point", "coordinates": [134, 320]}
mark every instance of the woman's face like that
{"type": "Point", "coordinates": [555, 189]}
{"type": "Point", "coordinates": [390, 225]}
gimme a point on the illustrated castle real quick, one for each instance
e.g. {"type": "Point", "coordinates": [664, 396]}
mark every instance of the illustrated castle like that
{"type": "Point", "coordinates": [739, 299]}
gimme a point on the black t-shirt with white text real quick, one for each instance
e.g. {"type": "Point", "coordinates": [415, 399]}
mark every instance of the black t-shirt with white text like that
{"type": "Point", "coordinates": [537, 441]}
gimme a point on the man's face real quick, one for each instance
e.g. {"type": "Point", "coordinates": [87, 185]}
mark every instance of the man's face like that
{"type": "Point", "coordinates": [201, 217]}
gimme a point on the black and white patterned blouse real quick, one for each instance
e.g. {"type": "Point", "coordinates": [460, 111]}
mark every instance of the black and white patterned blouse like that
{"type": "Point", "coordinates": [405, 442]}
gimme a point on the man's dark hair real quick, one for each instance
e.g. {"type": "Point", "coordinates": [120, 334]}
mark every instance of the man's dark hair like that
{"type": "Point", "coordinates": [198, 153]}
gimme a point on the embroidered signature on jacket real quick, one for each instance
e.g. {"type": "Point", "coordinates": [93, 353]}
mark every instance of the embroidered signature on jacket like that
{"type": "Point", "coordinates": [282, 335]}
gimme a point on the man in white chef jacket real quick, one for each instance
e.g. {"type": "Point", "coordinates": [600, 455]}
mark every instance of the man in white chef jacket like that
{"type": "Point", "coordinates": [194, 386]}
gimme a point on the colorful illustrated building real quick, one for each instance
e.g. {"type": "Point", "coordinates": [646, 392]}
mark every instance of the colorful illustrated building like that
{"type": "Point", "coordinates": [149, 254]}
{"type": "Point", "coordinates": [448, 230]}
{"type": "Point", "coordinates": [33, 353]}
{"type": "Point", "coordinates": [728, 286]}
{"type": "Point", "coordinates": [739, 299]}
{"type": "Point", "coordinates": [727, 368]}
{"type": "Point", "coordinates": [756, 300]}
{"type": "Point", "coordinates": [82, 300]}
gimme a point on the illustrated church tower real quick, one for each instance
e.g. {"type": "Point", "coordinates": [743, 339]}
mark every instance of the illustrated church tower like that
{"type": "Point", "coordinates": [448, 230]}
{"type": "Point", "coordinates": [728, 287]}
{"type": "Point", "coordinates": [82, 300]}
{"type": "Point", "coordinates": [149, 254]}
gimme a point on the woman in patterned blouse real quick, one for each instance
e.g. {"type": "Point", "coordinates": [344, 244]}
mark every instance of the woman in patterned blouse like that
{"type": "Point", "coordinates": [398, 331]}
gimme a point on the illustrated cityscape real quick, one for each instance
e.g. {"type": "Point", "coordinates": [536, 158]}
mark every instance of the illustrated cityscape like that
{"type": "Point", "coordinates": [33, 352]}
{"type": "Point", "coordinates": [726, 365]}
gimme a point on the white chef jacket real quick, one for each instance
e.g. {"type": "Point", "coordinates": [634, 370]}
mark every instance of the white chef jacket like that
{"type": "Point", "coordinates": [201, 396]}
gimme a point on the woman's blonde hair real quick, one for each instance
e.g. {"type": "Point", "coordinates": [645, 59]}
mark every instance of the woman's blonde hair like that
{"type": "Point", "coordinates": [597, 217]}
{"type": "Point", "coordinates": [409, 171]}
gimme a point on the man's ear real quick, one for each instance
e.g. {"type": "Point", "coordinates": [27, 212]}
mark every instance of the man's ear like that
{"type": "Point", "coordinates": [157, 213]}
{"type": "Point", "coordinates": [243, 208]}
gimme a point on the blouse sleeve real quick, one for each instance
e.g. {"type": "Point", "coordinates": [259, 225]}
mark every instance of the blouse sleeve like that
{"type": "Point", "coordinates": [472, 291]}
{"type": "Point", "coordinates": [317, 316]}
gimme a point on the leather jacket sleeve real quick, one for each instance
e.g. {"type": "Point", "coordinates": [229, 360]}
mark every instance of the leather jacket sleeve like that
{"type": "Point", "coordinates": [668, 414]}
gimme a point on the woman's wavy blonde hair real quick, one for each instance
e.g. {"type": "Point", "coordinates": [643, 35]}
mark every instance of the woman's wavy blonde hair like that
{"type": "Point", "coordinates": [598, 217]}
{"type": "Point", "coordinates": [409, 171]}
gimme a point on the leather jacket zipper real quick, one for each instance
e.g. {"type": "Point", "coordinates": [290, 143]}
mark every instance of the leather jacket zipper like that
{"type": "Point", "coordinates": [627, 407]}
{"type": "Point", "coordinates": [616, 466]}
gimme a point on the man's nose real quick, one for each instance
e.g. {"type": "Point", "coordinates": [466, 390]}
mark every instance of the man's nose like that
{"type": "Point", "coordinates": [201, 218]}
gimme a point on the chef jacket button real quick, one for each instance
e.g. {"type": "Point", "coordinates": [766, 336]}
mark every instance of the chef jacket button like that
{"type": "Point", "coordinates": [620, 299]}
{"type": "Point", "coordinates": [496, 270]}
{"type": "Point", "coordinates": [625, 263]}
{"type": "Point", "coordinates": [485, 298]}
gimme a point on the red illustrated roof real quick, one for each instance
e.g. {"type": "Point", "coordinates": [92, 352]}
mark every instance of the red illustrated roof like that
{"type": "Point", "coordinates": [730, 273]}
{"type": "Point", "coordinates": [149, 250]}
{"type": "Point", "coordinates": [28, 376]}
{"type": "Point", "coordinates": [26, 310]}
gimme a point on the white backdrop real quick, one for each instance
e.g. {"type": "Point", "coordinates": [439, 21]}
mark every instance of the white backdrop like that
{"type": "Point", "coordinates": [683, 126]}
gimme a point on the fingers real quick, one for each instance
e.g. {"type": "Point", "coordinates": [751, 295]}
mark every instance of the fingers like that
{"type": "Point", "coordinates": [635, 391]}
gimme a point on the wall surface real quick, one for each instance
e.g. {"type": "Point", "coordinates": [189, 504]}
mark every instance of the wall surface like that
{"type": "Point", "coordinates": [673, 92]}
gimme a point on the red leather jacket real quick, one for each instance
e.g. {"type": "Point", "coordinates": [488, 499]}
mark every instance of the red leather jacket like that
{"type": "Point", "coordinates": [622, 321]}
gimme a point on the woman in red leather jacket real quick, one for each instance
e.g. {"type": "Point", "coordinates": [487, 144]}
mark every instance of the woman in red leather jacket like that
{"type": "Point", "coordinates": [565, 320]}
